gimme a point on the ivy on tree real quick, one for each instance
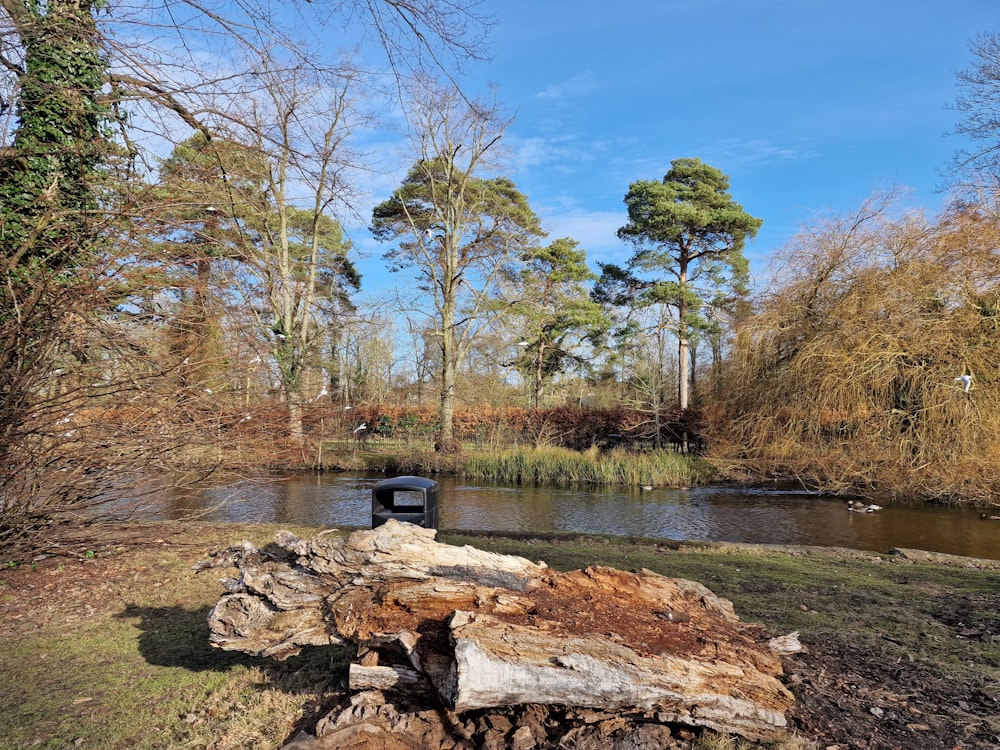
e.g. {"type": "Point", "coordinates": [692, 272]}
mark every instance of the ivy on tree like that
{"type": "Point", "coordinates": [48, 176]}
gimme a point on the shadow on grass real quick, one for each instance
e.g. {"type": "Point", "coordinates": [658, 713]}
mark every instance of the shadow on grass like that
{"type": "Point", "coordinates": [178, 637]}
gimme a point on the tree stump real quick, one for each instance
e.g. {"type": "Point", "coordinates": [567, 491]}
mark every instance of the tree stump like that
{"type": "Point", "coordinates": [476, 630]}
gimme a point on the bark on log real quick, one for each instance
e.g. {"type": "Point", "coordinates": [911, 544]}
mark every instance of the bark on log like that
{"type": "Point", "coordinates": [491, 630]}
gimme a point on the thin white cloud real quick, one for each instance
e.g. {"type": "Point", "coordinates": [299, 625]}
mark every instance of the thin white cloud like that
{"type": "Point", "coordinates": [594, 230]}
{"type": "Point", "coordinates": [563, 153]}
{"type": "Point", "coordinates": [756, 151]}
{"type": "Point", "coordinates": [577, 86]}
{"type": "Point", "coordinates": [529, 152]}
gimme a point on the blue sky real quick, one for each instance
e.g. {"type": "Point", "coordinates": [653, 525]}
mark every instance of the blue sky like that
{"type": "Point", "coordinates": [808, 105]}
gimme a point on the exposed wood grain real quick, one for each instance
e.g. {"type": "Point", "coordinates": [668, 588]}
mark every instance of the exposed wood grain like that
{"type": "Point", "coordinates": [488, 630]}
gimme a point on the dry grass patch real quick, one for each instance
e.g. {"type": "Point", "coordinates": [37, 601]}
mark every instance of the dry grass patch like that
{"type": "Point", "coordinates": [111, 651]}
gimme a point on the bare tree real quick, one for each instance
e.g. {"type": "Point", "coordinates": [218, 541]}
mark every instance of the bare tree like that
{"type": "Point", "coordinates": [456, 228]}
{"type": "Point", "coordinates": [979, 101]}
{"type": "Point", "coordinates": [295, 271]}
{"type": "Point", "coordinates": [361, 358]}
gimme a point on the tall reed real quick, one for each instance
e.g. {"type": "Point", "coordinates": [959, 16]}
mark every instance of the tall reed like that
{"type": "Point", "coordinates": [551, 465]}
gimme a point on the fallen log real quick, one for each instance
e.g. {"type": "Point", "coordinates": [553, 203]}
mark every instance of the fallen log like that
{"type": "Point", "coordinates": [487, 630]}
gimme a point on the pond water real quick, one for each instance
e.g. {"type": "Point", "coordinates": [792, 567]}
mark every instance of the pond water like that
{"type": "Point", "coordinates": [751, 515]}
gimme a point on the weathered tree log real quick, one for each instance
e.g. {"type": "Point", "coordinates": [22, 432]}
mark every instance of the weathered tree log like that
{"type": "Point", "coordinates": [394, 677]}
{"type": "Point", "coordinates": [489, 630]}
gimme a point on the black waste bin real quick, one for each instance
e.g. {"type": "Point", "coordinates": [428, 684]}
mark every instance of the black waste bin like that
{"type": "Point", "coordinates": [410, 499]}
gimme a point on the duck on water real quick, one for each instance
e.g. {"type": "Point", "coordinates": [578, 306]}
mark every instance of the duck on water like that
{"type": "Point", "coordinates": [856, 506]}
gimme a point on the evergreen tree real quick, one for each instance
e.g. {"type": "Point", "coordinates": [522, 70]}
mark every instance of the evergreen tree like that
{"type": "Point", "coordinates": [456, 227]}
{"type": "Point", "coordinates": [688, 235]}
{"type": "Point", "coordinates": [556, 311]}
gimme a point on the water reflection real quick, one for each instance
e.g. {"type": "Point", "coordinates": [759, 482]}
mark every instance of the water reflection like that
{"type": "Point", "coordinates": [707, 513]}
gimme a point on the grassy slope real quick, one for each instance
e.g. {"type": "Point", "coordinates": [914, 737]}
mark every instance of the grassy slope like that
{"type": "Point", "coordinates": [111, 650]}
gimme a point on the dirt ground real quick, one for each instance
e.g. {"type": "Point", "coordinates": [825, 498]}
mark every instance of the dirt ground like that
{"type": "Point", "coordinates": [852, 693]}
{"type": "Point", "coordinates": [855, 697]}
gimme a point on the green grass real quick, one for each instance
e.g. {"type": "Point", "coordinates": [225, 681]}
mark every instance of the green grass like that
{"type": "Point", "coordinates": [911, 609]}
{"type": "Point", "coordinates": [96, 684]}
{"type": "Point", "coordinates": [138, 672]}
{"type": "Point", "coordinates": [120, 659]}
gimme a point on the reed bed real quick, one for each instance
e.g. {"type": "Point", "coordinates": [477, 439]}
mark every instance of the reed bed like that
{"type": "Point", "coordinates": [552, 465]}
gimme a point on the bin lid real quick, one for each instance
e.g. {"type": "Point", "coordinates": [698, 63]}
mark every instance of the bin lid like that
{"type": "Point", "coordinates": [407, 483]}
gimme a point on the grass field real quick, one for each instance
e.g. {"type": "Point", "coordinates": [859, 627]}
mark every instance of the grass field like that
{"type": "Point", "coordinates": [108, 647]}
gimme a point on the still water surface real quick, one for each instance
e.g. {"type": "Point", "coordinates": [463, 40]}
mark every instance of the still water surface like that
{"type": "Point", "coordinates": [755, 515]}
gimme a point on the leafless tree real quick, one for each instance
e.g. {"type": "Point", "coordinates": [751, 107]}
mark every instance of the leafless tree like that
{"type": "Point", "coordinates": [978, 99]}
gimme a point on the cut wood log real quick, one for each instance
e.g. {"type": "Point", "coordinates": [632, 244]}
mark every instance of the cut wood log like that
{"type": "Point", "coordinates": [488, 630]}
{"type": "Point", "coordinates": [502, 664]}
{"type": "Point", "coordinates": [395, 677]}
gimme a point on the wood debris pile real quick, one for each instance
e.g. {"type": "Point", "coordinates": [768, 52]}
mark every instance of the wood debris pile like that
{"type": "Point", "coordinates": [467, 639]}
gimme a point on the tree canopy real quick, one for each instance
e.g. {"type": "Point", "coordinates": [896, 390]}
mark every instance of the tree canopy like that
{"type": "Point", "coordinates": [689, 236]}
{"type": "Point", "coordinates": [455, 225]}
{"type": "Point", "coordinates": [555, 310]}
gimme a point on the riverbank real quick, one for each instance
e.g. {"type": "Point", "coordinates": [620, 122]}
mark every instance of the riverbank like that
{"type": "Point", "coordinates": [614, 467]}
{"type": "Point", "coordinates": [106, 644]}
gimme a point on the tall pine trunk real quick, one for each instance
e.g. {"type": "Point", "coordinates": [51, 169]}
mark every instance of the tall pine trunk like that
{"type": "Point", "coordinates": [683, 337]}
{"type": "Point", "coordinates": [446, 442]}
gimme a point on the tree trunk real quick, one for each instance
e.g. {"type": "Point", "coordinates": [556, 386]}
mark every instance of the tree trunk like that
{"type": "Point", "coordinates": [538, 375]}
{"type": "Point", "coordinates": [693, 370]}
{"type": "Point", "coordinates": [482, 630]}
{"type": "Point", "coordinates": [683, 367]}
{"type": "Point", "coordinates": [296, 433]}
{"type": "Point", "coordinates": [683, 337]}
{"type": "Point", "coordinates": [446, 442]}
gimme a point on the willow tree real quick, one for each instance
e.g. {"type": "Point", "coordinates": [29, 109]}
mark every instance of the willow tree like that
{"type": "Point", "coordinates": [689, 236]}
{"type": "Point", "coordinates": [456, 227]}
{"type": "Point", "coordinates": [850, 375]}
